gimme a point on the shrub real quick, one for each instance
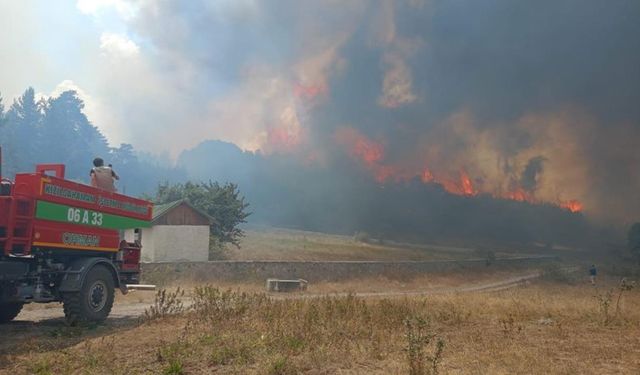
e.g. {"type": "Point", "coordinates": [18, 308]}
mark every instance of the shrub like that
{"type": "Point", "coordinates": [282, 366]}
{"type": "Point", "coordinates": [213, 305]}
{"type": "Point", "coordinates": [419, 336]}
{"type": "Point", "coordinates": [217, 249]}
{"type": "Point", "coordinates": [165, 304]}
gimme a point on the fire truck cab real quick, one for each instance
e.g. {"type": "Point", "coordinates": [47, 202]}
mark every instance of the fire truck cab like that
{"type": "Point", "coordinates": [60, 241]}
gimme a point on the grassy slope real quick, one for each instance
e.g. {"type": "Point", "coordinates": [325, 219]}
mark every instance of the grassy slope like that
{"type": "Point", "coordinates": [546, 328]}
{"type": "Point", "coordinates": [286, 244]}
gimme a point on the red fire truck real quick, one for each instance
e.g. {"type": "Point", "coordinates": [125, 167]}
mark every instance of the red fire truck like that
{"type": "Point", "coordinates": [61, 241]}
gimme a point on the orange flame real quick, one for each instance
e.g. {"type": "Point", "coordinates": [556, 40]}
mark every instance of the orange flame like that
{"type": "Point", "coordinates": [372, 153]}
{"type": "Point", "coordinates": [427, 176]}
{"type": "Point", "coordinates": [360, 146]}
{"type": "Point", "coordinates": [520, 195]}
{"type": "Point", "coordinates": [462, 185]}
{"type": "Point", "coordinates": [467, 185]}
{"type": "Point", "coordinates": [572, 205]}
{"type": "Point", "coordinates": [281, 138]}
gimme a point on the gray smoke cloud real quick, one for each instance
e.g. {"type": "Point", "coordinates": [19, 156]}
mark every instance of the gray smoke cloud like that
{"type": "Point", "coordinates": [491, 88]}
{"type": "Point", "coordinates": [529, 178]}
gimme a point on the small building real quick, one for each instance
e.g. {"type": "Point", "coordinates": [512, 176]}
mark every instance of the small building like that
{"type": "Point", "coordinates": [179, 232]}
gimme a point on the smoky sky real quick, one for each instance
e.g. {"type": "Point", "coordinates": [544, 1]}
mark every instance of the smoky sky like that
{"type": "Point", "coordinates": [501, 59]}
{"type": "Point", "coordinates": [497, 58]}
{"type": "Point", "coordinates": [538, 93]}
{"type": "Point", "coordinates": [523, 56]}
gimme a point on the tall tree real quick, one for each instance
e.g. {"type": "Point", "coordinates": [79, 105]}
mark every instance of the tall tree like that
{"type": "Point", "coordinates": [3, 120]}
{"type": "Point", "coordinates": [23, 131]}
{"type": "Point", "coordinates": [125, 163]}
{"type": "Point", "coordinates": [56, 130]}
{"type": "Point", "coordinates": [70, 137]}
{"type": "Point", "coordinates": [3, 134]}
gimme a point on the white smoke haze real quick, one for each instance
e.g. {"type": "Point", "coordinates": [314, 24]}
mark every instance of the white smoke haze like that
{"type": "Point", "coordinates": [19, 25]}
{"type": "Point", "coordinates": [262, 103]}
{"type": "Point", "coordinates": [118, 46]}
{"type": "Point", "coordinates": [125, 9]}
{"type": "Point", "coordinates": [397, 84]}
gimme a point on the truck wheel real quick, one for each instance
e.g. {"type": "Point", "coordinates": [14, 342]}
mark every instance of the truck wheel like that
{"type": "Point", "coordinates": [94, 301]}
{"type": "Point", "coordinates": [9, 310]}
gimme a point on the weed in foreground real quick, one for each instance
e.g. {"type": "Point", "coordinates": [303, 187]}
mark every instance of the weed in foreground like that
{"type": "Point", "coordinates": [509, 326]}
{"type": "Point", "coordinates": [231, 350]}
{"type": "Point", "coordinates": [605, 299]}
{"type": "Point", "coordinates": [165, 304]}
{"type": "Point", "coordinates": [623, 286]}
{"type": "Point", "coordinates": [174, 368]}
{"type": "Point", "coordinates": [171, 354]}
{"type": "Point", "coordinates": [282, 366]}
{"type": "Point", "coordinates": [214, 305]}
{"type": "Point", "coordinates": [42, 367]}
{"type": "Point", "coordinates": [419, 336]}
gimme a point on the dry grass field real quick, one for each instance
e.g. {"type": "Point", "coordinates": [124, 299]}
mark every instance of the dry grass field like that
{"type": "Point", "coordinates": [443, 322]}
{"type": "Point", "coordinates": [543, 328]}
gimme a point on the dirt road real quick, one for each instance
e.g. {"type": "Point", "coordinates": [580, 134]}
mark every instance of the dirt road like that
{"type": "Point", "coordinates": [127, 309]}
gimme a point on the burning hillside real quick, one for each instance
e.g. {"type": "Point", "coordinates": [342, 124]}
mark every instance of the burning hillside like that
{"type": "Point", "coordinates": [371, 155]}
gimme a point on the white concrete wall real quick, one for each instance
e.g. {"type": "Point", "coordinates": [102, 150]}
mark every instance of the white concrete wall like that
{"type": "Point", "coordinates": [170, 243]}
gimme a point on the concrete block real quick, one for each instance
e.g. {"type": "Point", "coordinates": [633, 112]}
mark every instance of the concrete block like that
{"type": "Point", "coordinates": [277, 285]}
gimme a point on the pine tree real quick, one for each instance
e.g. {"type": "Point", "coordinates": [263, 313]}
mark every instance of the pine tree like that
{"type": "Point", "coordinates": [3, 134]}
{"type": "Point", "coordinates": [70, 137]}
{"type": "Point", "coordinates": [23, 122]}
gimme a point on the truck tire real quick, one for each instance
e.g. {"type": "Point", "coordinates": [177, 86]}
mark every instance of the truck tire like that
{"type": "Point", "coordinates": [9, 310]}
{"type": "Point", "coordinates": [94, 301]}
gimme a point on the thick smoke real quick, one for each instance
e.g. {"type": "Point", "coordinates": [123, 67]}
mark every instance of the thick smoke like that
{"type": "Point", "coordinates": [532, 101]}
{"type": "Point", "coordinates": [529, 178]}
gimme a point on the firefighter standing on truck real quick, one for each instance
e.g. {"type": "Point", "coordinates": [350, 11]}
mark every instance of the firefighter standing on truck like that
{"type": "Point", "coordinates": [103, 177]}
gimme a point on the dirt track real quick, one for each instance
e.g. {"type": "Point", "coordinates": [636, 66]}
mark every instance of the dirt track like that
{"type": "Point", "coordinates": [131, 310]}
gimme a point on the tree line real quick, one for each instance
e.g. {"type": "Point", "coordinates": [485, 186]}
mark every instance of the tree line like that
{"type": "Point", "coordinates": [55, 130]}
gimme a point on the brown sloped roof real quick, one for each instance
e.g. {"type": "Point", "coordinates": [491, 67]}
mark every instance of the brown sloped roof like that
{"type": "Point", "coordinates": [159, 210]}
